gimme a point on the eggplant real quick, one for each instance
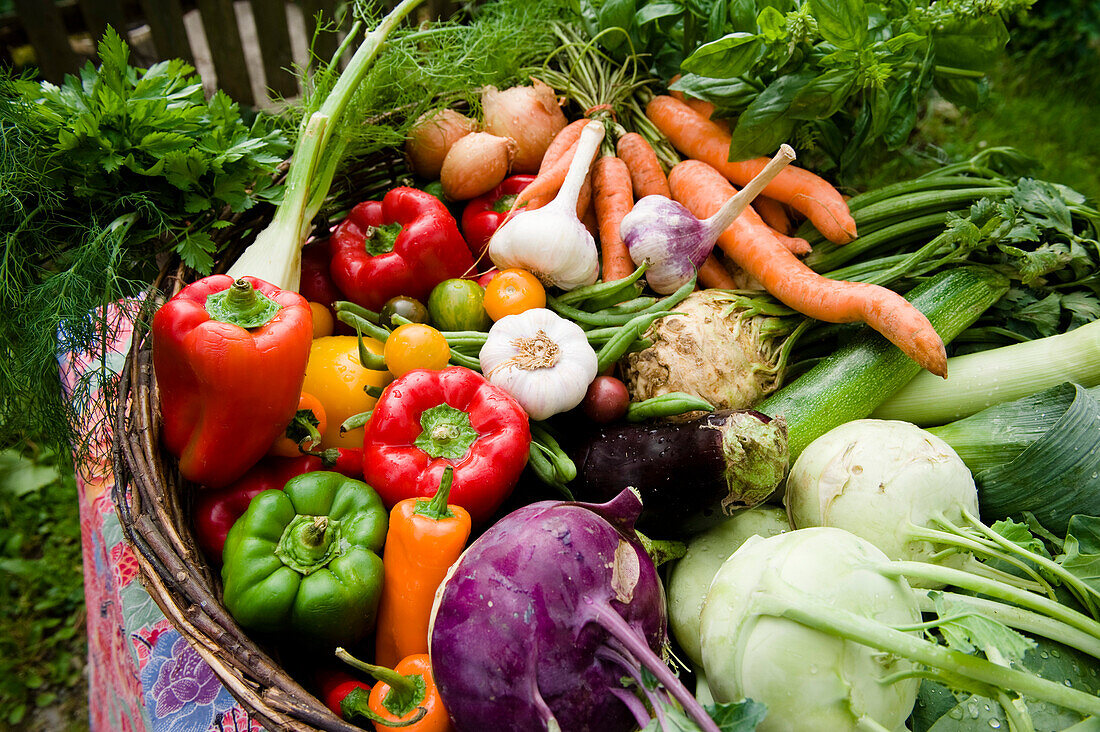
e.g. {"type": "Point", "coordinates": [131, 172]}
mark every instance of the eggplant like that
{"type": "Point", "coordinates": [691, 475]}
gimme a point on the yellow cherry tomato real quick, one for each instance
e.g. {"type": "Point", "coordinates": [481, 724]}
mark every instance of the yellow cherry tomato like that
{"type": "Point", "coordinates": [513, 291]}
{"type": "Point", "coordinates": [323, 324]}
{"type": "Point", "coordinates": [416, 346]}
{"type": "Point", "coordinates": [335, 376]}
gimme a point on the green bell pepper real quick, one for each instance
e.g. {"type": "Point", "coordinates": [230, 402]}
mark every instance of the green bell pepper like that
{"type": "Point", "coordinates": [305, 559]}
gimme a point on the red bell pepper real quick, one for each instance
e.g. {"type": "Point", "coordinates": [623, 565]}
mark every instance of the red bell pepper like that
{"type": "Point", "coordinates": [317, 284]}
{"type": "Point", "coordinates": [427, 420]}
{"type": "Point", "coordinates": [230, 358]}
{"type": "Point", "coordinates": [484, 214]}
{"type": "Point", "coordinates": [217, 510]}
{"type": "Point", "coordinates": [405, 244]}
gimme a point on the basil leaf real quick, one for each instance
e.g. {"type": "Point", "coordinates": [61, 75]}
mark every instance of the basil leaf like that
{"type": "Point", "coordinates": [765, 124]}
{"type": "Point", "coordinates": [963, 92]}
{"type": "Point", "coordinates": [903, 117]}
{"type": "Point", "coordinates": [716, 24]}
{"type": "Point", "coordinates": [656, 11]}
{"type": "Point", "coordinates": [824, 95]}
{"type": "Point", "coordinates": [772, 24]}
{"type": "Point", "coordinates": [970, 43]}
{"type": "Point", "coordinates": [725, 93]}
{"type": "Point", "coordinates": [742, 16]}
{"type": "Point", "coordinates": [729, 56]}
{"type": "Point", "coordinates": [616, 14]}
{"type": "Point", "coordinates": [843, 23]}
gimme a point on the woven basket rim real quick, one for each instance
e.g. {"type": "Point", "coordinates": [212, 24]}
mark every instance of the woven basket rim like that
{"type": "Point", "coordinates": [150, 497]}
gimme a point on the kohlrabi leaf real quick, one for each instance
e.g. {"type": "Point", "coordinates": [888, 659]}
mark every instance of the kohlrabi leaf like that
{"type": "Point", "coordinates": [935, 711]}
{"type": "Point", "coordinates": [967, 630]}
{"type": "Point", "coordinates": [742, 716]}
{"type": "Point", "coordinates": [1082, 550]}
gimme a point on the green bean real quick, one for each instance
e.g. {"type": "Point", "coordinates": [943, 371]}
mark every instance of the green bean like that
{"type": "Point", "coordinates": [397, 319]}
{"type": "Point", "coordinates": [363, 325]}
{"type": "Point", "coordinates": [614, 298]}
{"type": "Point", "coordinates": [544, 471]}
{"type": "Point", "coordinates": [369, 359]}
{"type": "Point", "coordinates": [373, 391]}
{"type": "Point", "coordinates": [605, 319]}
{"type": "Point", "coordinates": [631, 306]}
{"type": "Point", "coordinates": [464, 334]}
{"type": "Point", "coordinates": [355, 421]}
{"type": "Point", "coordinates": [639, 345]}
{"type": "Point", "coordinates": [344, 306]}
{"type": "Point", "coordinates": [459, 359]}
{"type": "Point", "coordinates": [599, 289]}
{"type": "Point", "coordinates": [565, 468]}
{"type": "Point", "coordinates": [614, 349]}
{"type": "Point", "coordinates": [667, 405]}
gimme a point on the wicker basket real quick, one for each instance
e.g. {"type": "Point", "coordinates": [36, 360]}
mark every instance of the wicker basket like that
{"type": "Point", "coordinates": [153, 505]}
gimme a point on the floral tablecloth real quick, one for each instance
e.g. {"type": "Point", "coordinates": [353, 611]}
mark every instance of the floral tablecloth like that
{"type": "Point", "coordinates": [142, 674]}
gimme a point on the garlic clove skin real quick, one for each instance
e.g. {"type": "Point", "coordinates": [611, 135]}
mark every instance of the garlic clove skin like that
{"type": "Point", "coordinates": [541, 359]}
{"type": "Point", "coordinates": [664, 233]}
{"type": "Point", "coordinates": [552, 245]}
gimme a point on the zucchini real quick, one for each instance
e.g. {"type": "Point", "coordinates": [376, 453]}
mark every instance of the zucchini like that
{"type": "Point", "coordinates": [860, 375]}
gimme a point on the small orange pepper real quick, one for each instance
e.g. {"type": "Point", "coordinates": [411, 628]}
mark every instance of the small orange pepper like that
{"type": "Point", "coordinates": [405, 696]}
{"type": "Point", "coordinates": [425, 538]}
{"type": "Point", "coordinates": [303, 434]}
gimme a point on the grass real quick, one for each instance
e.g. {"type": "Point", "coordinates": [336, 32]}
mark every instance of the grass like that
{"type": "Point", "coordinates": [43, 644]}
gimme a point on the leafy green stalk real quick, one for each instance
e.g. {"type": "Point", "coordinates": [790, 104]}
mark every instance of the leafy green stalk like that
{"type": "Point", "coordinates": [276, 255]}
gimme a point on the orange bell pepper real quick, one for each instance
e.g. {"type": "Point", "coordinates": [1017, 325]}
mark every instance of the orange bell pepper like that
{"type": "Point", "coordinates": [303, 434]}
{"type": "Point", "coordinates": [425, 538]}
{"type": "Point", "coordinates": [405, 697]}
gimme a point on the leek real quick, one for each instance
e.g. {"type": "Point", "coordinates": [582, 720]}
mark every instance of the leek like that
{"type": "Point", "coordinates": [977, 381]}
{"type": "Point", "coordinates": [276, 255]}
{"type": "Point", "coordinates": [1040, 454]}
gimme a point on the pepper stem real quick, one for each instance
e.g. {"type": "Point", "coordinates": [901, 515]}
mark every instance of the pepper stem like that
{"type": "Point", "coordinates": [737, 203]}
{"type": "Point", "coordinates": [401, 686]}
{"type": "Point", "coordinates": [241, 304]}
{"type": "Point", "coordinates": [314, 533]}
{"type": "Point", "coordinates": [436, 509]}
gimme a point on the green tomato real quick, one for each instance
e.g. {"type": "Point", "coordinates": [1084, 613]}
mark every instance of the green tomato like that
{"type": "Point", "coordinates": [458, 305]}
{"type": "Point", "coordinates": [407, 307]}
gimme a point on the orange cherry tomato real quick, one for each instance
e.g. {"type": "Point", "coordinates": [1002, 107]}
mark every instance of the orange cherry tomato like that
{"type": "Point", "coordinates": [416, 346]}
{"type": "Point", "coordinates": [323, 324]}
{"type": "Point", "coordinates": [309, 411]}
{"type": "Point", "coordinates": [513, 291]}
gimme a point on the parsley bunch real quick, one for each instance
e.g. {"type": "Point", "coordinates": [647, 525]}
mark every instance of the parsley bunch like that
{"type": "Point", "coordinates": [98, 178]}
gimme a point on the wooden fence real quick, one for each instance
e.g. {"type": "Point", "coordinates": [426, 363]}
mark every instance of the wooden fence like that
{"type": "Point", "coordinates": [232, 32]}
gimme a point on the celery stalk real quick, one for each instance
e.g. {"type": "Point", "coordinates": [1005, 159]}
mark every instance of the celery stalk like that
{"type": "Point", "coordinates": [276, 255]}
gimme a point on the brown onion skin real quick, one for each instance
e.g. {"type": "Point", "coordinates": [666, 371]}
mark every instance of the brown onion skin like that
{"type": "Point", "coordinates": [431, 138]}
{"type": "Point", "coordinates": [530, 115]}
{"type": "Point", "coordinates": [475, 165]}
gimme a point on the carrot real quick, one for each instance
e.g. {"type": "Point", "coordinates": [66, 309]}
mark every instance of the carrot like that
{"type": "Point", "coordinates": [795, 245]}
{"type": "Point", "coordinates": [646, 175]}
{"type": "Point", "coordinates": [589, 220]}
{"type": "Point", "coordinates": [699, 138]}
{"type": "Point", "coordinates": [703, 190]}
{"type": "Point", "coordinates": [773, 213]}
{"type": "Point", "coordinates": [554, 166]}
{"type": "Point", "coordinates": [712, 274]}
{"type": "Point", "coordinates": [614, 197]}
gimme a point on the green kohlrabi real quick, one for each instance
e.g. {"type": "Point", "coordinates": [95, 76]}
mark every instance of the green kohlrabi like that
{"type": "Point", "coordinates": [819, 624]}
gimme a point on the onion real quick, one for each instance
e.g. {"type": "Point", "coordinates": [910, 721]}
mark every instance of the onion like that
{"type": "Point", "coordinates": [530, 115]}
{"type": "Point", "coordinates": [431, 138]}
{"type": "Point", "coordinates": [475, 164]}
